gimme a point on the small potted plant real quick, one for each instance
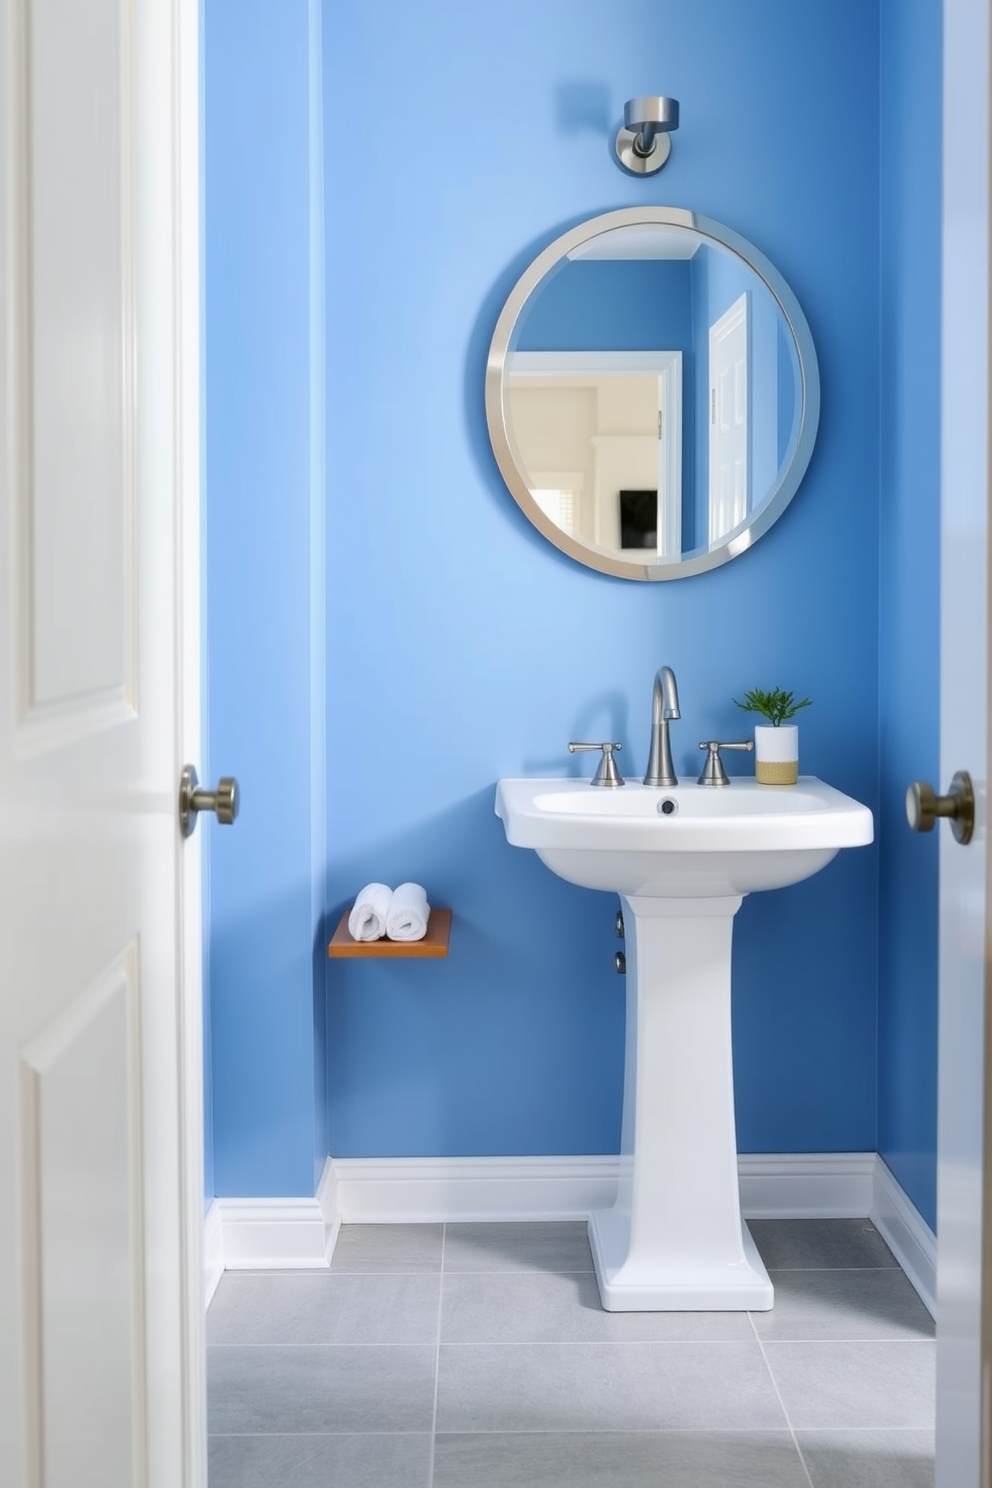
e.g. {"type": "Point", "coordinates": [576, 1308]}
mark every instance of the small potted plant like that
{"type": "Point", "coordinates": [776, 743]}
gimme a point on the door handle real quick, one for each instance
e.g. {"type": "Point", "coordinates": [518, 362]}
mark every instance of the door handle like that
{"type": "Point", "coordinates": [193, 799]}
{"type": "Point", "coordinates": [923, 806]}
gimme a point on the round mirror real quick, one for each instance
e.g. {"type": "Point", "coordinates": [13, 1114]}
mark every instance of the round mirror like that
{"type": "Point", "coordinates": [652, 393]}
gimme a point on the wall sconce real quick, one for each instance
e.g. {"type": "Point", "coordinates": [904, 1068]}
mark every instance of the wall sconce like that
{"type": "Point", "coordinates": [643, 145]}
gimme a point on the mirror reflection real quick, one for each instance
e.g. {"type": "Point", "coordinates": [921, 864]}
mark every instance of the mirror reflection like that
{"type": "Point", "coordinates": [652, 393]}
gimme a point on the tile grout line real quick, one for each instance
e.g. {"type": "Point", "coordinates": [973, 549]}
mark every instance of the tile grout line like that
{"type": "Point", "coordinates": [604, 1343]}
{"type": "Point", "coordinates": [778, 1396]}
{"type": "Point", "coordinates": [437, 1360]}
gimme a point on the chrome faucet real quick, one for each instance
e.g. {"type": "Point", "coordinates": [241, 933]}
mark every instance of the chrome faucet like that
{"type": "Point", "coordinates": [664, 705]}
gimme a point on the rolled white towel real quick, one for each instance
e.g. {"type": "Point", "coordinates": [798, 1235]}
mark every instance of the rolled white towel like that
{"type": "Point", "coordinates": [367, 920]}
{"type": "Point", "coordinates": [408, 913]}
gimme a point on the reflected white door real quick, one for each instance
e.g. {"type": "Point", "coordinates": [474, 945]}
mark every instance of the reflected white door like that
{"type": "Point", "coordinates": [99, 1146]}
{"type": "Point", "coordinates": [728, 354]}
{"type": "Point", "coordinates": [963, 1188]}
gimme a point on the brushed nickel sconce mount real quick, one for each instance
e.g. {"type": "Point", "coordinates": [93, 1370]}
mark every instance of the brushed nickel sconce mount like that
{"type": "Point", "coordinates": [643, 145]}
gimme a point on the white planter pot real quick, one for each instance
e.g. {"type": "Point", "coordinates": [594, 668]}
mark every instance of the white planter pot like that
{"type": "Point", "coordinates": [776, 754]}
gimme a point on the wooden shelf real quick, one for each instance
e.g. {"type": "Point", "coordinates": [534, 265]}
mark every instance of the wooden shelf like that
{"type": "Point", "coordinates": [434, 943]}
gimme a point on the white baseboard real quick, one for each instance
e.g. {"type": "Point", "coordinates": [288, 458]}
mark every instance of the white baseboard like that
{"type": "Point", "coordinates": [806, 1185]}
{"type": "Point", "coordinates": [906, 1233]}
{"type": "Point", "coordinates": [418, 1189]}
{"type": "Point", "coordinates": [257, 1234]}
{"type": "Point", "coordinates": [273, 1234]}
{"type": "Point", "coordinates": [213, 1251]}
{"type": "Point", "coordinates": [425, 1190]}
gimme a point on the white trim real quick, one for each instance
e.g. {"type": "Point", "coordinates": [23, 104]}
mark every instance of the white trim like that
{"type": "Point", "coordinates": [420, 1189]}
{"type": "Point", "coordinates": [213, 1251]}
{"type": "Point", "coordinates": [176, 36]}
{"type": "Point", "coordinates": [806, 1185]}
{"type": "Point", "coordinates": [327, 1200]}
{"type": "Point", "coordinates": [272, 1234]}
{"type": "Point", "coordinates": [907, 1234]}
{"type": "Point", "coordinates": [434, 1189]}
{"type": "Point", "coordinates": [259, 1234]}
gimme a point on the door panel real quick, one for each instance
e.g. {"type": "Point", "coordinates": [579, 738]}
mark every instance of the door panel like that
{"type": "Point", "coordinates": [100, 1130]}
{"type": "Point", "coordinates": [83, 1253]}
{"type": "Point", "coordinates": [78, 340]}
{"type": "Point", "coordinates": [963, 972]}
{"type": "Point", "coordinates": [728, 354]}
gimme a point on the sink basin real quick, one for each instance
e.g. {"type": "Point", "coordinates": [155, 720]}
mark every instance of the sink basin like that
{"type": "Point", "coordinates": [688, 841]}
{"type": "Point", "coordinates": [681, 860]}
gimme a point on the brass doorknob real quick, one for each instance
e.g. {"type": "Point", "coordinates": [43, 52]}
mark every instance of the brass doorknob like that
{"type": "Point", "coordinates": [924, 806]}
{"type": "Point", "coordinates": [193, 799]}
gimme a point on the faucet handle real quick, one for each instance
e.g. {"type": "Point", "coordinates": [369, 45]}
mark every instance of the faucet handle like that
{"type": "Point", "coordinates": [713, 771]}
{"type": "Point", "coordinates": [606, 771]}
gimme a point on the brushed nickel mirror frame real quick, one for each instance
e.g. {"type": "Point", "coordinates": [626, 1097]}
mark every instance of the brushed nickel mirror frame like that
{"type": "Point", "coordinates": [764, 516]}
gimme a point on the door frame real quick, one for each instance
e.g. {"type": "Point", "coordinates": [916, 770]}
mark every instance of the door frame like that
{"type": "Point", "coordinates": [190, 514]}
{"type": "Point", "coordinates": [964, 1148]}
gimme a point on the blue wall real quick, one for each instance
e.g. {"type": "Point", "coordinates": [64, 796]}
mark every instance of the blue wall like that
{"type": "Point", "coordinates": [265, 587]}
{"type": "Point", "coordinates": [909, 589]}
{"type": "Point", "coordinates": [460, 646]}
{"type": "Point", "coordinates": [609, 306]}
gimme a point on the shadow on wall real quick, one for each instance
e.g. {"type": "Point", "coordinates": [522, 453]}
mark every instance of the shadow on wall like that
{"type": "Point", "coordinates": [509, 1046]}
{"type": "Point", "coordinates": [582, 106]}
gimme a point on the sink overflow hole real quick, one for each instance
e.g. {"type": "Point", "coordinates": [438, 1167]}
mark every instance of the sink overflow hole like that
{"type": "Point", "coordinates": [667, 807]}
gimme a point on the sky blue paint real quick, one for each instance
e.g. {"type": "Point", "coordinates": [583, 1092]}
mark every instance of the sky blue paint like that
{"type": "Point", "coordinates": [317, 576]}
{"type": "Point", "coordinates": [463, 647]}
{"type": "Point", "coordinates": [608, 306]}
{"type": "Point", "coordinates": [909, 589]}
{"type": "Point", "coordinates": [259, 369]}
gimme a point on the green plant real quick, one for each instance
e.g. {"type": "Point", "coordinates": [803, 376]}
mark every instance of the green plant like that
{"type": "Point", "coordinates": [776, 706]}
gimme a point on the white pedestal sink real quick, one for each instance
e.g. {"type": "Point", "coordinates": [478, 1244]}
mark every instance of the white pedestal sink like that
{"type": "Point", "coordinates": [681, 860]}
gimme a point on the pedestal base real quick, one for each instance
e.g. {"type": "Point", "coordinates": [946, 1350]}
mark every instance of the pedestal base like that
{"type": "Point", "coordinates": [674, 1240]}
{"type": "Point", "coordinates": [663, 1282]}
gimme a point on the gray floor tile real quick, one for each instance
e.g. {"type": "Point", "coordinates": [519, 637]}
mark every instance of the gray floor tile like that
{"type": "Point", "coordinates": [320, 1308]}
{"type": "Point", "coordinates": [320, 1389]}
{"type": "Point", "coordinates": [541, 1307]}
{"type": "Point", "coordinates": [605, 1387]}
{"type": "Point", "coordinates": [328, 1377]}
{"type": "Point", "coordinates": [375, 1247]}
{"type": "Point", "coordinates": [381, 1461]}
{"type": "Point", "coordinates": [873, 1303]}
{"type": "Point", "coordinates": [808, 1244]}
{"type": "Point", "coordinates": [855, 1384]}
{"type": "Point", "coordinates": [537, 1246]}
{"type": "Point", "coordinates": [868, 1459]}
{"type": "Point", "coordinates": [681, 1459]}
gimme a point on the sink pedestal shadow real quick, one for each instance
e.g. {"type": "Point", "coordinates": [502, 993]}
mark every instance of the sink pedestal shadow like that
{"type": "Point", "coordinates": [674, 1241]}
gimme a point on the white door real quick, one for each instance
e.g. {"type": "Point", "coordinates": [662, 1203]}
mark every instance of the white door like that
{"type": "Point", "coordinates": [100, 1203]}
{"type": "Point", "coordinates": [963, 1185]}
{"type": "Point", "coordinates": [728, 453]}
